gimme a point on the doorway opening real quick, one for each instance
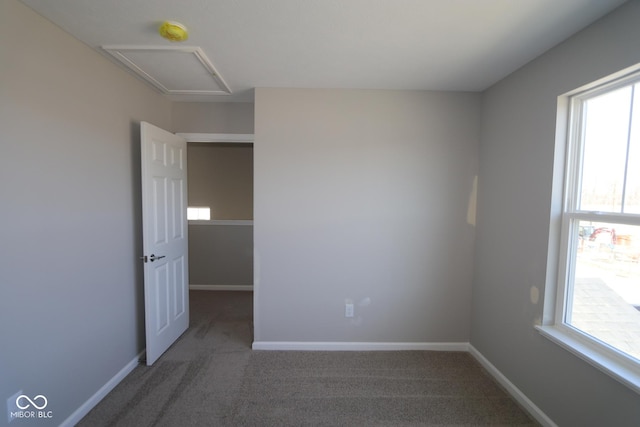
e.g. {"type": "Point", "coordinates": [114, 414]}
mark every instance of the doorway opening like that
{"type": "Point", "coordinates": [220, 177]}
{"type": "Point", "coordinates": [220, 183]}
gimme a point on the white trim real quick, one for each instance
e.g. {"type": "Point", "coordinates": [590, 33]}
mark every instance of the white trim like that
{"type": "Point", "coordinates": [240, 138]}
{"type": "Point", "coordinates": [593, 354]}
{"type": "Point", "coordinates": [514, 391]}
{"type": "Point", "coordinates": [117, 52]}
{"type": "Point", "coordinates": [87, 406]}
{"type": "Point", "coordinates": [221, 222]}
{"type": "Point", "coordinates": [221, 287]}
{"type": "Point", "coordinates": [359, 346]}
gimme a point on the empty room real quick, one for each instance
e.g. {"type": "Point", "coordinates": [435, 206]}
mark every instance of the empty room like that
{"type": "Point", "coordinates": [285, 212]}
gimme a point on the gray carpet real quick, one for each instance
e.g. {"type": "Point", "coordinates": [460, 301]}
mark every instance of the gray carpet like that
{"type": "Point", "coordinates": [210, 377]}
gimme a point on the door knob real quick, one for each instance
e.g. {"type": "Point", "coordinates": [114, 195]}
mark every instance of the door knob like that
{"type": "Point", "coordinates": [153, 257]}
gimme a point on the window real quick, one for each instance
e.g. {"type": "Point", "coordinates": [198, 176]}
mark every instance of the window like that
{"type": "Point", "coordinates": [598, 297]}
{"type": "Point", "coordinates": [198, 213]}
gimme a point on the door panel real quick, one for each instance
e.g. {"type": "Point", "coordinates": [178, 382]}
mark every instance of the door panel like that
{"type": "Point", "coordinates": [159, 217]}
{"type": "Point", "coordinates": [181, 287]}
{"type": "Point", "coordinates": [164, 207]}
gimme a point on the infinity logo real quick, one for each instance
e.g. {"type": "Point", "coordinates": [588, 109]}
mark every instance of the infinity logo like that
{"type": "Point", "coordinates": [31, 402]}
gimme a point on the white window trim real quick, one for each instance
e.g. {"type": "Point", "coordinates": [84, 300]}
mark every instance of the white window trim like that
{"type": "Point", "coordinates": [605, 358]}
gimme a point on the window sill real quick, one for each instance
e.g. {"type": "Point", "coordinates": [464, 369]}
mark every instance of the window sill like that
{"type": "Point", "coordinates": [616, 369]}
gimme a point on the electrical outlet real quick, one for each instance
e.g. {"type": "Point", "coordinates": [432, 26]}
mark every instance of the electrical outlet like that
{"type": "Point", "coordinates": [11, 405]}
{"type": "Point", "coordinates": [348, 310]}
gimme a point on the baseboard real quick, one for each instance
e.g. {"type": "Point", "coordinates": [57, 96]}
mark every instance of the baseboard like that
{"type": "Point", "coordinates": [359, 346]}
{"type": "Point", "coordinates": [514, 391]}
{"type": "Point", "coordinates": [87, 406]}
{"type": "Point", "coordinates": [221, 287]}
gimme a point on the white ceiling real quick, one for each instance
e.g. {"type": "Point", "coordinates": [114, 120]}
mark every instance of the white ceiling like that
{"type": "Point", "coordinates": [461, 45]}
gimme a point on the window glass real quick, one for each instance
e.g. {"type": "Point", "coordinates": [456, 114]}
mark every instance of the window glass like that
{"type": "Point", "coordinates": [605, 298]}
{"type": "Point", "coordinates": [198, 213]}
{"type": "Point", "coordinates": [606, 128]}
{"type": "Point", "coordinates": [632, 196]}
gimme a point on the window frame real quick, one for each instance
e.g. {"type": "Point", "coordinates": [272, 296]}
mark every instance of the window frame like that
{"type": "Point", "coordinates": [563, 241]}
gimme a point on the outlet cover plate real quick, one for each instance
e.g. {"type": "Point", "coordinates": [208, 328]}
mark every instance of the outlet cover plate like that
{"type": "Point", "coordinates": [348, 310]}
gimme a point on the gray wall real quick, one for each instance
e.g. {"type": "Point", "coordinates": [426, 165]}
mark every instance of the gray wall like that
{"type": "Point", "coordinates": [221, 255]}
{"type": "Point", "coordinates": [212, 117]}
{"type": "Point", "coordinates": [363, 195]}
{"type": "Point", "coordinates": [71, 308]}
{"type": "Point", "coordinates": [221, 177]}
{"type": "Point", "coordinates": [515, 213]}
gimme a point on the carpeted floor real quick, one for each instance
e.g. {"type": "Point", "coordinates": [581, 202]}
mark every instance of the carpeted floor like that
{"type": "Point", "coordinates": [211, 377]}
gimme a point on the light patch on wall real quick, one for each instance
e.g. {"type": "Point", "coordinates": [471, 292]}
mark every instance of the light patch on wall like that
{"type": "Point", "coordinates": [364, 302]}
{"type": "Point", "coordinates": [473, 199]}
{"type": "Point", "coordinates": [534, 294]}
{"type": "Point", "coordinates": [201, 213]}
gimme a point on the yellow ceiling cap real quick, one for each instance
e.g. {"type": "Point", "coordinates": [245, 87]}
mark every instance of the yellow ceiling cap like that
{"type": "Point", "coordinates": [174, 31]}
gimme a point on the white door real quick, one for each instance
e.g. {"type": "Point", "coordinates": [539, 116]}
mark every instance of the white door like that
{"type": "Point", "coordinates": [164, 226]}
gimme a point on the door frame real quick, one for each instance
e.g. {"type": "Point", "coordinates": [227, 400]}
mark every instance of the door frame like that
{"type": "Point", "coordinates": [234, 138]}
{"type": "Point", "coordinates": [239, 138]}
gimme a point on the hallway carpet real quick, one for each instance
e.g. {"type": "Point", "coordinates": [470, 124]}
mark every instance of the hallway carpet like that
{"type": "Point", "coordinates": [211, 377]}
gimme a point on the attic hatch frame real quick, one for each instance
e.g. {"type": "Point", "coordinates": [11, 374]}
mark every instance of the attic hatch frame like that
{"type": "Point", "coordinates": [118, 52]}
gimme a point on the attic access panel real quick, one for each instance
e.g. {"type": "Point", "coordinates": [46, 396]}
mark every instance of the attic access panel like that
{"type": "Point", "coordinates": [179, 70]}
